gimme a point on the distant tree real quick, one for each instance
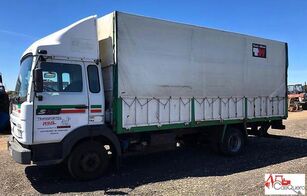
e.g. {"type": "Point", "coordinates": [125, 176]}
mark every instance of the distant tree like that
{"type": "Point", "coordinates": [11, 93]}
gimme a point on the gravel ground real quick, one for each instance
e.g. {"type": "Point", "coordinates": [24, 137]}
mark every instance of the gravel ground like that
{"type": "Point", "coordinates": [188, 171]}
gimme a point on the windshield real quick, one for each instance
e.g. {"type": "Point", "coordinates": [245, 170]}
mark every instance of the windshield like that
{"type": "Point", "coordinates": [295, 88]}
{"type": "Point", "coordinates": [299, 88]}
{"type": "Point", "coordinates": [23, 79]}
{"type": "Point", "coordinates": [291, 88]}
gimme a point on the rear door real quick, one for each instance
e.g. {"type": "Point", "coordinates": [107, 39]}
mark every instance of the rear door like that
{"type": "Point", "coordinates": [63, 105]}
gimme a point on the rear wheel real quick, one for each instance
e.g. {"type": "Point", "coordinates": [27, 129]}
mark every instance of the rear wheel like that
{"type": "Point", "coordinates": [89, 160]}
{"type": "Point", "coordinates": [233, 142]}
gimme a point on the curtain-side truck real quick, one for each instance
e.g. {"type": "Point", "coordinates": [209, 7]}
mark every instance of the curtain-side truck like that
{"type": "Point", "coordinates": [105, 87]}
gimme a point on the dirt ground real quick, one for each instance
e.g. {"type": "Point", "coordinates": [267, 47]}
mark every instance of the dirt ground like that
{"type": "Point", "coordinates": [192, 171]}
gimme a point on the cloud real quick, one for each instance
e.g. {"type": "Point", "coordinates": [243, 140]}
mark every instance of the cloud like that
{"type": "Point", "coordinates": [17, 34]}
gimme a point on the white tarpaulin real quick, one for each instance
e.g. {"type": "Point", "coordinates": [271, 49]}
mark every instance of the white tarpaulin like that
{"type": "Point", "coordinates": [161, 59]}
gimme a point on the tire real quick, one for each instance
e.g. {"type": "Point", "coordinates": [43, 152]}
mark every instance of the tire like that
{"type": "Point", "coordinates": [233, 142]}
{"type": "Point", "coordinates": [89, 160]}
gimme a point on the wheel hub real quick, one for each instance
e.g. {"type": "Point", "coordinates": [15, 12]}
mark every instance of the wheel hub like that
{"type": "Point", "coordinates": [90, 162]}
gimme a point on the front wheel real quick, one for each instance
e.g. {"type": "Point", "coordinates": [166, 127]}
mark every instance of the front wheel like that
{"type": "Point", "coordinates": [233, 142]}
{"type": "Point", "coordinates": [88, 160]}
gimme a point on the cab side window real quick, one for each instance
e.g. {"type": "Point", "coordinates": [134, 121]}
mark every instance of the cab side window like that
{"type": "Point", "coordinates": [93, 78]}
{"type": "Point", "coordinates": [59, 77]}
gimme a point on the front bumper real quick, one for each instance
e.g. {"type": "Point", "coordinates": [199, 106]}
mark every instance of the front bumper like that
{"type": "Point", "coordinates": [19, 153]}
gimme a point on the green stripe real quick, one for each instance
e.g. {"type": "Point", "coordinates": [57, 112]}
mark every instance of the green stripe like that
{"type": "Point", "coordinates": [57, 106]}
{"type": "Point", "coordinates": [118, 109]}
{"type": "Point", "coordinates": [197, 124]}
{"type": "Point", "coordinates": [95, 106]}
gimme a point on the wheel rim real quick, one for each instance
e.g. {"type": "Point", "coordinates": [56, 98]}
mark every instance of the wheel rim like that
{"type": "Point", "coordinates": [90, 162]}
{"type": "Point", "coordinates": [234, 143]}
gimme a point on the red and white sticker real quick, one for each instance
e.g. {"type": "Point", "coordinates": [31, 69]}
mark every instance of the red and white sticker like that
{"type": "Point", "coordinates": [284, 184]}
{"type": "Point", "coordinates": [259, 50]}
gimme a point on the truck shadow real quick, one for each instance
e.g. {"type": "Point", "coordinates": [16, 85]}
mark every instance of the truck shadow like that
{"type": "Point", "coordinates": [172, 165]}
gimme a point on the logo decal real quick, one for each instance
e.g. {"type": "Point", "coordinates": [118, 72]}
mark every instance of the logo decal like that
{"type": "Point", "coordinates": [259, 50]}
{"type": "Point", "coordinates": [284, 184]}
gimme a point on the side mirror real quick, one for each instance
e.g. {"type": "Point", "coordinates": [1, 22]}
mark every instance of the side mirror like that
{"type": "Point", "coordinates": [38, 80]}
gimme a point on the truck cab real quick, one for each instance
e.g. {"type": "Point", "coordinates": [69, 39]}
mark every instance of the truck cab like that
{"type": "Point", "coordinates": [59, 89]}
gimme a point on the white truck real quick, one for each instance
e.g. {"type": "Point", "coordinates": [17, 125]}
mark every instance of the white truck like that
{"type": "Point", "coordinates": [104, 87]}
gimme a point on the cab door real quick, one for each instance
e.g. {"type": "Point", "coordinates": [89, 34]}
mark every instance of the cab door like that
{"type": "Point", "coordinates": [63, 105]}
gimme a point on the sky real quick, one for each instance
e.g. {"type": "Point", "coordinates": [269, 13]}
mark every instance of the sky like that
{"type": "Point", "coordinates": [23, 22]}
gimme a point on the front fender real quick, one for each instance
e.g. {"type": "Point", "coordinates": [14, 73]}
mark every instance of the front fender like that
{"type": "Point", "coordinates": [89, 131]}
